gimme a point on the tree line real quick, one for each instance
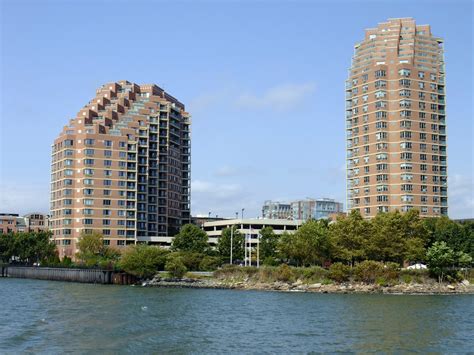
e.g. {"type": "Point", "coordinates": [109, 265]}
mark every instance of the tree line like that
{"type": "Point", "coordinates": [387, 238]}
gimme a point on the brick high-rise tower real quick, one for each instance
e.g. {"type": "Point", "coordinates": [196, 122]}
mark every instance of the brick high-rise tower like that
{"type": "Point", "coordinates": [122, 168]}
{"type": "Point", "coordinates": [396, 121]}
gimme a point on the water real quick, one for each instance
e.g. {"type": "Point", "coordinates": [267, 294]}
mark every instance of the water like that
{"type": "Point", "coordinates": [55, 317]}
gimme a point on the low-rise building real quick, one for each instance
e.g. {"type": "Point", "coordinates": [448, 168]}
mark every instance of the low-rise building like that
{"type": "Point", "coordinates": [250, 227]}
{"type": "Point", "coordinates": [14, 223]}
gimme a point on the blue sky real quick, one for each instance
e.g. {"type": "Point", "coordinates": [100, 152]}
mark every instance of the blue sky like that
{"type": "Point", "coordinates": [264, 82]}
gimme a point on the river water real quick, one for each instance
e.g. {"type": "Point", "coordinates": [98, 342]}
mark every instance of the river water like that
{"type": "Point", "coordinates": [56, 317]}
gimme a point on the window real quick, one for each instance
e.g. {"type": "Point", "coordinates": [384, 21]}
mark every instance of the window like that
{"type": "Point", "coordinates": [404, 72]}
{"type": "Point", "coordinates": [107, 192]}
{"type": "Point", "coordinates": [421, 75]}
{"type": "Point", "coordinates": [87, 221]}
{"type": "Point", "coordinates": [107, 153]}
{"type": "Point", "coordinates": [107, 172]}
{"type": "Point", "coordinates": [107, 163]}
{"type": "Point", "coordinates": [88, 172]}
{"type": "Point", "coordinates": [89, 141]}
{"type": "Point", "coordinates": [106, 202]}
{"type": "Point", "coordinates": [109, 182]}
{"type": "Point", "coordinates": [380, 73]}
{"type": "Point", "coordinates": [106, 222]}
{"type": "Point", "coordinates": [88, 202]}
{"type": "Point", "coordinates": [89, 152]}
{"type": "Point", "coordinates": [88, 161]}
{"type": "Point", "coordinates": [88, 192]}
{"type": "Point", "coordinates": [108, 143]}
{"type": "Point", "coordinates": [88, 211]}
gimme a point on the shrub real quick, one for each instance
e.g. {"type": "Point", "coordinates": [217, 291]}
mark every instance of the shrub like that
{"type": "Point", "coordinates": [190, 259]}
{"type": "Point", "coordinates": [229, 271]}
{"type": "Point", "coordinates": [406, 278]}
{"type": "Point", "coordinates": [368, 271]}
{"type": "Point", "coordinates": [271, 261]}
{"type": "Point", "coordinates": [175, 266]}
{"type": "Point", "coordinates": [284, 273]}
{"type": "Point", "coordinates": [210, 263]}
{"type": "Point", "coordinates": [142, 260]}
{"type": "Point", "coordinates": [266, 274]}
{"type": "Point", "coordinates": [391, 271]}
{"type": "Point", "coordinates": [339, 272]}
{"type": "Point", "coordinates": [382, 281]}
{"type": "Point", "coordinates": [313, 274]}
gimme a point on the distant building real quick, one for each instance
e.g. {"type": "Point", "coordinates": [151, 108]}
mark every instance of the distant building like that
{"type": "Point", "coordinates": [321, 208]}
{"type": "Point", "coordinates": [249, 226]}
{"type": "Point", "coordinates": [276, 210]}
{"type": "Point", "coordinates": [37, 222]}
{"type": "Point", "coordinates": [200, 220]}
{"type": "Point", "coordinates": [14, 223]}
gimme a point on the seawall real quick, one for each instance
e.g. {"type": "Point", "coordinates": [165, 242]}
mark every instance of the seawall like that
{"type": "Point", "coordinates": [68, 274]}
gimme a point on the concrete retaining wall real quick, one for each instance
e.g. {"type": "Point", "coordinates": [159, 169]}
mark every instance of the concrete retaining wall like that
{"type": "Point", "coordinates": [72, 275]}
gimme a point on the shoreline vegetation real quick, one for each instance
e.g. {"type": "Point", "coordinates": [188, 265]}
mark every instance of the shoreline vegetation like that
{"type": "Point", "coordinates": [316, 280]}
{"type": "Point", "coordinates": [346, 254]}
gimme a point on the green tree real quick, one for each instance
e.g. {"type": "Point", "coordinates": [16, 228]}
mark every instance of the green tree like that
{"type": "Point", "coordinates": [223, 245]}
{"type": "Point", "coordinates": [397, 237]}
{"type": "Point", "coordinates": [268, 243]}
{"type": "Point", "coordinates": [440, 258]}
{"type": "Point", "coordinates": [93, 252]}
{"type": "Point", "coordinates": [191, 238]}
{"type": "Point", "coordinates": [458, 236]}
{"type": "Point", "coordinates": [349, 237]}
{"type": "Point", "coordinates": [7, 247]}
{"type": "Point", "coordinates": [143, 261]}
{"type": "Point", "coordinates": [311, 244]}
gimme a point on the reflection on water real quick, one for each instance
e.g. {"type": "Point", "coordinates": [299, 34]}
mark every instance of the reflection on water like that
{"type": "Point", "coordinates": [48, 317]}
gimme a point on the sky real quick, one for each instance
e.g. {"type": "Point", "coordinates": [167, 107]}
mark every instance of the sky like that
{"type": "Point", "coordinates": [263, 81]}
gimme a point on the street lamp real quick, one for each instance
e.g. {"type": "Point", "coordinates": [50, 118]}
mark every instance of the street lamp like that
{"type": "Point", "coordinates": [243, 209]}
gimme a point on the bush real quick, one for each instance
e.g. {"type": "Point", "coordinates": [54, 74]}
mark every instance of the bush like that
{"type": "Point", "coordinates": [313, 274]}
{"type": "Point", "coordinates": [271, 261]}
{"type": "Point", "coordinates": [175, 266]}
{"type": "Point", "coordinates": [339, 272]}
{"type": "Point", "coordinates": [190, 259]}
{"type": "Point", "coordinates": [391, 271]}
{"type": "Point", "coordinates": [229, 271]}
{"type": "Point", "coordinates": [210, 263]}
{"type": "Point", "coordinates": [284, 273]}
{"type": "Point", "coordinates": [368, 271]}
{"type": "Point", "coordinates": [142, 260]}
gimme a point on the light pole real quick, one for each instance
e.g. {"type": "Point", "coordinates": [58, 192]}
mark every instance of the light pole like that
{"type": "Point", "coordinates": [231, 242]}
{"type": "Point", "coordinates": [243, 209]}
{"type": "Point", "coordinates": [258, 249]}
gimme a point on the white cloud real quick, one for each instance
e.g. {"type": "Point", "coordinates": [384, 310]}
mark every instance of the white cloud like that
{"type": "Point", "coordinates": [461, 196]}
{"type": "Point", "coordinates": [281, 97]}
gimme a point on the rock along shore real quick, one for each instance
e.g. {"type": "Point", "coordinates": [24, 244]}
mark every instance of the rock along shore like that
{"type": "Point", "coordinates": [344, 288]}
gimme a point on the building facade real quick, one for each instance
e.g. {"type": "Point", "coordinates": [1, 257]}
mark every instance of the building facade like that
{"type": "Point", "coordinates": [32, 222]}
{"type": "Point", "coordinates": [396, 121]}
{"type": "Point", "coordinates": [122, 167]}
{"type": "Point", "coordinates": [321, 208]}
{"type": "Point", "coordinates": [276, 210]}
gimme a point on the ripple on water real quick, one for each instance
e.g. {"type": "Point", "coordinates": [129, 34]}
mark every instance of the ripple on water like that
{"type": "Point", "coordinates": [54, 317]}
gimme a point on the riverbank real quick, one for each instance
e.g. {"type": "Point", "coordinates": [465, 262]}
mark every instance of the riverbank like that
{"type": "Point", "coordinates": [341, 288]}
